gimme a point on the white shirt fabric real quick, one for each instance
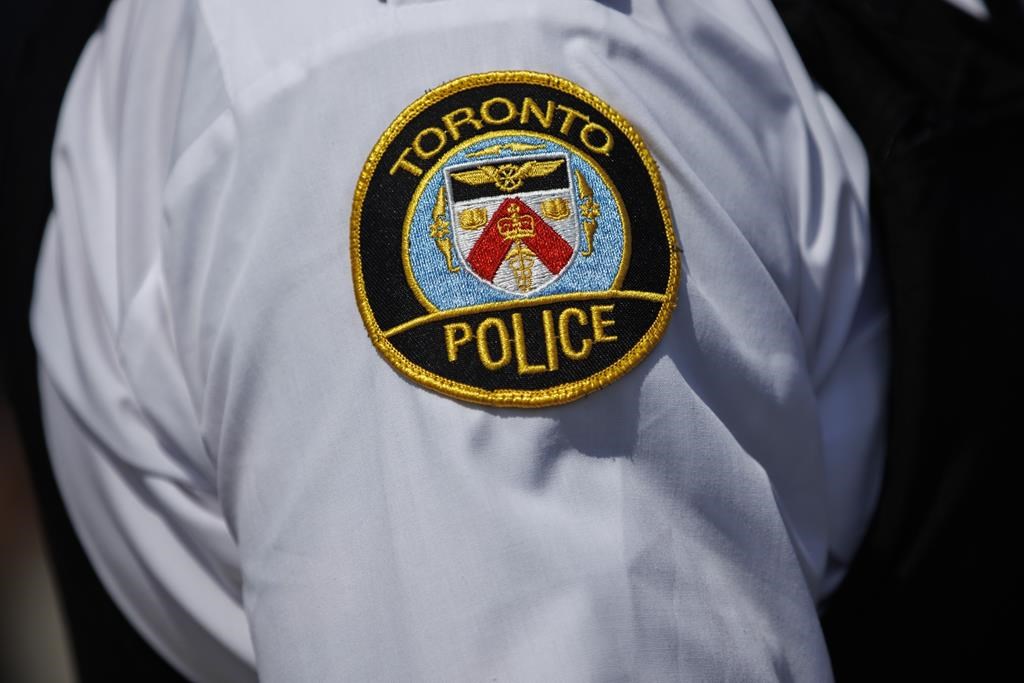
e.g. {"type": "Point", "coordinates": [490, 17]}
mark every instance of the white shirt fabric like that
{"type": "Point", "coordinates": [261, 492]}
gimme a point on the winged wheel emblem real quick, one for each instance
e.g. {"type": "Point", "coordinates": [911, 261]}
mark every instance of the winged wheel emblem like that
{"type": "Point", "coordinates": [508, 177]}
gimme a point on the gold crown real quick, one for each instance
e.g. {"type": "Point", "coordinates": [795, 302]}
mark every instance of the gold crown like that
{"type": "Point", "coordinates": [516, 227]}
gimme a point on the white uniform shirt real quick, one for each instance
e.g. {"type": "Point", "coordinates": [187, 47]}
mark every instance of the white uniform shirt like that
{"type": "Point", "coordinates": [260, 491]}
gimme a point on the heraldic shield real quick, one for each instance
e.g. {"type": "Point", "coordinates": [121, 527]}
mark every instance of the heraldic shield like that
{"type": "Point", "coordinates": [494, 257]}
{"type": "Point", "coordinates": [516, 224]}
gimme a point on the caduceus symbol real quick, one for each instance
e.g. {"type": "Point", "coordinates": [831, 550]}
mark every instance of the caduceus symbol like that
{"type": "Point", "coordinates": [515, 228]}
{"type": "Point", "coordinates": [439, 231]}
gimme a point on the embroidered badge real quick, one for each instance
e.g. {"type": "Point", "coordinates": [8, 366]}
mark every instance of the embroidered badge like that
{"type": "Point", "coordinates": [511, 242]}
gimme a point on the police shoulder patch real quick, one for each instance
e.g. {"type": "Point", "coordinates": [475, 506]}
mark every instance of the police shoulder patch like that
{"type": "Point", "coordinates": [511, 242]}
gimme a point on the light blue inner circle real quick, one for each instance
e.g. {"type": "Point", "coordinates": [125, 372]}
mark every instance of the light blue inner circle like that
{"type": "Point", "coordinates": [447, 290]}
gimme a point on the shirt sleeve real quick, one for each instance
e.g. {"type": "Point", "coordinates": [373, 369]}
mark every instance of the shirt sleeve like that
{"type": "Point", "coordinates": [261, 491]}
{"type": "Point", "coordinates": [126, 451]}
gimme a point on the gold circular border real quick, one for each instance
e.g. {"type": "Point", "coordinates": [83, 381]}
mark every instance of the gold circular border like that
{"type": "Point", "coordinates": [512, 398]}
{"type": "Point", "coordinates": [620, 274]}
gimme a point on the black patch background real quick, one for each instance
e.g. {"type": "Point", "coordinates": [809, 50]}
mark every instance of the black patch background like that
{"type": "Point", "coordinates": [393, 302]}
{"type": "Point", "coordinates": [556, 180]}
{"type": "Point", "coordinates": [426, 344]}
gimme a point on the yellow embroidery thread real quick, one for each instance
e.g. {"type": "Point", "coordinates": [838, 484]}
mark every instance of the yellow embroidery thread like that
{"type": "Point", "coordinates": [514, 397]}
{"type": "Point", "coordinates": [407, 225]}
